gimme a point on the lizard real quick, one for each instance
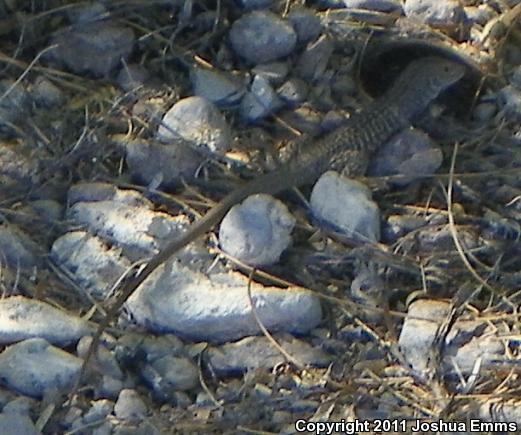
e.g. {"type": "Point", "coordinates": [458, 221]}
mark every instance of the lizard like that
{"type": "Point", "coordinates": [347, 148]}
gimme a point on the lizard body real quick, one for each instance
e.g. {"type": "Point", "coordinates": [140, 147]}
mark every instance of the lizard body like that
{"type": "Point", "coordinates": [348, 147]}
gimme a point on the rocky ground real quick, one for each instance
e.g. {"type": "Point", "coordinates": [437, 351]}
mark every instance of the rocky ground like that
{"type": "Point", "coordinates": [391, 299]}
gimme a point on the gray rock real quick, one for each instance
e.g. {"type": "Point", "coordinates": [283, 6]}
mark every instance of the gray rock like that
{"type": "Point", "coordinates": [294, 91]}
{"type": "Point", "coordinates": [15, 104]}
{"type": "Point", "coordinates": [47, 209]}
{"type": "Point", "coordinates": [166, 164]}
{"type": "Point", "coordinates": [313, 62]}
{"type": "Point", "coordinates": [105, 360]}
{"type": "Point", "coordinates": [46, 94]}
{"type": "Point", "coordinates": [16, 248]}
{"type": "Point", "coordinates": [170, 374]}
{"type": "Point", "coordinates": [346, 205]}
{"type": "Point", "coordinates": [258, 352]}
{"type": "Point", "coordinates": [92, 191]}
{"type": "Point", "coordinates": [480, 14]}
{"type": "Point", "coordinates": [375, 5]}
{"type": "Point", "coordinates": [196, 120]}
{"type": "Point", "coordinates": [22, 405]}
{"type": "Point", "coordinates": [306, 23]}
{"type": "Point", "coordinates": [34, 367]}
{"type": "Point", "coordinates": [130, 406]}
{"type": "Point", "coordinates": [137, 231]}
{"type": "Point", "coordinates": [255, 4]}
{"type": "Point", "coordinates": [262, 36]}
{"type": "Point", "coordinates": [99, 410]}
{"type": "Point", "coordinates": [257, 231]}
{"type": "Point", "coordinates": [410, 153]}
{"type": "Point", "coordinates": [217, 86]}
{"type": "Point", "coordinates": [397, 226]}
{"type": "Point", "coordinates": [95, 266]}
{"type": "Point", "coordinates": [485, 111]}
{"type": "Point", "coordinates": [94, 48]}
{"type": "Point", "coordinates": [132, 77]}
{"type": "Point", "coordinates": [436, 13]}
{"type": "Point", "coordinates": [419, 331]}
{"type": "Point", "coordinates": [217, 308]}
{"type": "Point", "coordinates": [432, 239]}
{"type": "Point", "coordinates": [261, 101]}
{"type": "Point", "coordinates": [22, 318]}
{"type": "Point", "coordinates": [11, 424]}
{"type": "Point", "coordinates": [273, 72]}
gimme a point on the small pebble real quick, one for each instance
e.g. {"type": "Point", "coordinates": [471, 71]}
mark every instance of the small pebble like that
{"type": "Point", "coordinates": [273, 72]}
{"type": "Point", "coordinates": [16, 248]}
{"type": "Point", "coordinates": [511, 98]}
{"type": "Point", "coordinates": [92, 191]}
{"type": "Point", "coordinates": [216, 308]}
{"type": "Point", "coordinates": [22, 318]}
{"type": "Point", "coordinates": [262, 36]}
{"type": "Point", "coordinates": [130, 406]}
{"type": "Point", "coordinates": [94, 48]}
{"type": "Point", "coordinates": [216, 86]}
{"type": "Point", "coordinates": [257, 231]}
{"type": "Point", "coordinates": [346, 205]}
{"type": "Point", "coordinates": [34, 367]}
{"type": "Point", "coordinates": [294, 91]}
{"type": "Point", "coordinates": [397, 226]}
{"type": "Point", "coordinates": [261, 101]}
{"type": "Point", "coordinates": [196, 120]}
{"type": "Point", "coordinates": [15, 105]}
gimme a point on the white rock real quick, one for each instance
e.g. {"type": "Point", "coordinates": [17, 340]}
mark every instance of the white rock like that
{"type": "Point", "coordinates": [346, 205]}
{"type": "Point", "coordinates": [22, 318]}
{"type": "Point", "coordinates": [34, 367]}
{"type": "Point", "coordinates": [176, 299]}
{"type": "Point", "coordinates": [94, 265]}
{"type": "Point", "coordinates": [257, 231]}
{"type": "Point", "coordinates": [197, 120]}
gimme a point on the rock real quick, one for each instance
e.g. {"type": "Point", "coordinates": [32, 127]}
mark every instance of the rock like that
{"type": "Point", "coordinates": [93, 264]}
{"type": "Point", "coordinates": [136, 230]}
{"type": "Point", "coordinates": [217, 308]}
{"type": "Point", "coordinates": [132, 77]}
{"type": "Point", "coordinates": [258, 352]}
{"type": "Point", "coordinates": [166, 164]}
{"type": "Point", "coordinates": [17, 249]}
{"type": "Point", "coordinates": [46, 94]}
{"type": "Point", "coordinates": [17, 168]}
{"type": "Point", "coordinates": [502, 410]}
{"type": "Point", "coordinates": [346, 205]}
{"type": "Point", "coordinates": [436, 13]}
{"type": "Point", "coordinates": [92, 191]}
{"type": "Point", "coordinates": [306, 23]}
{"type": "Point", "coordinates": [198, 121]}
{"type": "Point", "coordinates": [388, 6]}
{"type": "Point", "coordinates": [419, 331]}
{"type": "Point", "coordinates": [260, 101]}
{"type": "Point", "coordinates": [217, 86]}
{"type": "Point", "coordinates": [255, 4]}
{"type": "Point", "coordinates": [94, 48]}
{"type": "Point", "coordinates": [313, 61]}
{"type": "Point", "coordinates": [397, 226]}
{"type": "Point", "coordinates": [480, 15]}
{"type": "Point", "coordinates": [130, 406]}
{"type": "Point", "coordinates": [294, 91]}
{"type": "Point", "coordinates": [262, 36]}
{"type": "Point", "coordinates": [273, 72]}
{"type": "Point", "coordinates": [410, 153]}
{"type": "Point", "coordinates": [170, 374]}
{"type": "Point", "coordinates": [22, 318]}
{"type": "Point", "coordinates": [99, 410]}
{"type": "Point", "coordinates": [34, 368]}
{"type": "Point", "coordinates": [257, 231]}
{"type": "Point", "coordinates": [17, 424]}
{"type": "Point", "coordinates": [87, 12]}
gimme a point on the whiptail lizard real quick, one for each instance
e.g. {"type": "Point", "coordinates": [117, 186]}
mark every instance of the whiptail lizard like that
{"type": "Point", "coordinates": [348, 147]}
